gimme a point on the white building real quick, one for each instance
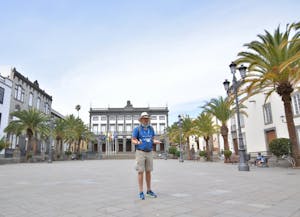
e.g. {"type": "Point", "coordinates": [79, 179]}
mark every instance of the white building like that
{"type": "Point", "coordinates": [5, 95]}
{"type": "Point", "coordinates": [265, 122]}
{"type": "Point", "coordinates": [113, 127]}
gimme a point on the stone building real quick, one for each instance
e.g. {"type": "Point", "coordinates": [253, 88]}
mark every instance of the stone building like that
{"type": "Point", "coordinates": [25, 95]}
{"type": "Point", "coordinates": [113, 127]}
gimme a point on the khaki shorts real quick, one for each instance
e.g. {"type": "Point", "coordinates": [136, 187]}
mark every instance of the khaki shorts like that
{"type": "Point", "coordinates": [144, 161]}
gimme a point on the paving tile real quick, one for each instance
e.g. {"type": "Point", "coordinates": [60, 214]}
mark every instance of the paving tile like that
{"type": "Point", "coordinates": [109, 188]}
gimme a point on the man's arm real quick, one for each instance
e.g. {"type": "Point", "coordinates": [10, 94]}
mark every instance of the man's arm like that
{"type": "Point", "coordinates": [135, 141]}
{"type": "Point", "coordinates": [156, 141]}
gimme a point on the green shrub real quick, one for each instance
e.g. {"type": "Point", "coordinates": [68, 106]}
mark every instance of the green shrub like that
{"type": "Point", "coordinates": [172, 150]}
{"type": "Point", "coordinates": [68, 153]}
{"type": "Point", "coordinates": [227, 154]}
{"type": "Point", "coordinates": [280, 146]}
{"type": "Point", "coordinates": [29, 156]}
{"type": "Point", "coordinates": [3, 144]}
{"type": "Point", "coordinates": [203, 154]}
{"type": "Point", "coordinates": [177, 153]}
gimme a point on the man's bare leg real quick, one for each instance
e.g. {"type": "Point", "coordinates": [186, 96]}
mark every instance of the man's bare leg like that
{"type": "Point", "coordinates": [148, 180]}
{"type": "Point", "coordinates": [140, 180]}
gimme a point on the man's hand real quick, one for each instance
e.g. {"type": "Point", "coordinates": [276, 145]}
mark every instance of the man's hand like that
{"type": "Point", "coordinates": [155, 141]}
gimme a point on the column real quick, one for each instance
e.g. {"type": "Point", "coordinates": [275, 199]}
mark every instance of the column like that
{"type": "Point", "coordinates": [124, 144]}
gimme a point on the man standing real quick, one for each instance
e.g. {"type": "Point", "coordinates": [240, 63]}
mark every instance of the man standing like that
{"type": "Point", "coordinates": [143, 139]}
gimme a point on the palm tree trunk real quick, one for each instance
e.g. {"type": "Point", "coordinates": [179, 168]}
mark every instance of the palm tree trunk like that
{"type": "Point", "coordinates": [286, 98]}
{"type": "Point", "coordinates": [207, 148]}
{"type": "Point", "coordinates": [224, 132]}
{"type": "Point", "coordinates": [188, 148]}
{"type": "Point", "coordinates": [34, 145]}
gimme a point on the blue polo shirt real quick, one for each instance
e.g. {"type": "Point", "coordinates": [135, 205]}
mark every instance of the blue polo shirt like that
{"type": "Point", "coordinates": [146, 135]}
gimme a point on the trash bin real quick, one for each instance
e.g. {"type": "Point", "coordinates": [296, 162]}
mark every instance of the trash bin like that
{"type": "Point", "coordinates": [8, 153]}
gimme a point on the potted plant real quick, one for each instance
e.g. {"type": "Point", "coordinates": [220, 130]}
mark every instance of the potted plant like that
{"type": "Point", "coordinates": [172, 151]}
{"type": "Point", "coordinates": [203, 155]}
{"type": "Point", "coordinates": [280, 147]}
{"type": "Point", "coordinates": [68, 154]}
{"type": "Point", "coordinates": [177, 153]}
{"type": "Point", "coordinates": [29, 157]}
{"type": "Point", "coordinates": [227, 155]}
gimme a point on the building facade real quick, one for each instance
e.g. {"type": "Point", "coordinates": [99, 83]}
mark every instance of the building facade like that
{"type": "Point", "coordinates": [264, 122]}
{"type": "Point", "coordinates": [113, 127]}
{"type": "Point", "coordinates": [5, 96]}
{"type": "Point", "coordinates": [26, 95]}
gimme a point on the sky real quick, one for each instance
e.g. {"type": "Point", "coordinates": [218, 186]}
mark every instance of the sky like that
{"type": "Point", "coordinates": [101, 53]}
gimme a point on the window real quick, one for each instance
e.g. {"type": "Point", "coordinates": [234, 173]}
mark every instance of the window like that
{"type": "Point", "coordinates": [296, 103]}
{"type": "Point", "coordinates": [112, 128]}
{"type": "Point", "coordinates": [161, 128]}
{"type": "Point", "coordinates": [30, 99]}
{"type": "Point", "coordinates": [136, 117]}
{"type": "Point", "coordinates": [103, 128]}
{"type": "Point", "coordinates": [112, 117]}
{"type": "Point", "coordinates": [19, 93]}
{"type": "Point", "coordinates": [153, 117]}
{"type": "Point", "coordinates": [22, 95]}
{"type": "Point", "coordinates": [46, 108]}
{"type": "Point", "coordinates": [103, 118]}
{"type": "Point", "coordinates": [233, 124]}
{"type": "Point", "coordinates": [1, 95]}
{"type": "Point", "coordinates": [128, 117]}
{"type": "Point", "coordinates": [120, 128]}
{"type": "Point", "coordinates": [38, 102]}
{"type": "Point", "coordinates": [120, 117]}
{"type": "Point", "coordinates": [267, 113]}
{"type": "Point", "coordinates": [95, 118]}
{"type": "Point", "coordinates": [128, 127]}
{"type": "Point", "coordinates": [95, 128]}
{"type": "Point", "coordinates": [162, 117]}
{"type": "Point", "coordinates": [154, 127]}
{"type": "Point", "coordinates": [242, 120]}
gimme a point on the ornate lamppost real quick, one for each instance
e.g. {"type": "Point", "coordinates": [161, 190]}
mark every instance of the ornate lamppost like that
{"type": "Point", "coordinates": [180, 121]}
{"type": "Point", "coordinates": [243, 164]}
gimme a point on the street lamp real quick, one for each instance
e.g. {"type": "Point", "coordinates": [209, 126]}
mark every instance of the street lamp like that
{"type": "Point", "coordinates": [180, 137]}
{"type": "Point", "coordinates": [51, 140]}
{"type": "Point", "coordinates": [99, 140]}
{"type": "Point", "coordinates": [243, 164]}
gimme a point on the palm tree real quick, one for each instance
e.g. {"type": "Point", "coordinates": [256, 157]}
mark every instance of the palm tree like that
{"type": "Point", "coordinates": [59, 134]}
{"type": "Point", "coordinates": [75, 131]}
{"type": "Point", "coordinates": [70, 128]}
{"type": "Point", "coordinates": [204, 126]}
{"type": "Point", "coordinates": [187, 125]}
{"type": "Point", "coordinates": [31, 123]}
{"type": "Point", "coordinates": [222, 109]}
{"type": "Point", "coordinates": [274, 65]}
{"type": "Point", "coordinates": [174, 133]}
{"type": "Point", "coordinates": [78, 107]}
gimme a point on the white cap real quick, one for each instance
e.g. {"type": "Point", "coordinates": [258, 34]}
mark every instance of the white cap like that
{"type": "Point", "coordinates": [144, 115]}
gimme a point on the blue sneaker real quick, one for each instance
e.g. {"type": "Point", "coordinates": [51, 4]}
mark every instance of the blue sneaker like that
{"type": "Point", "coordinates": [142, 196]}
{"type": "Point", "coordinates": [151, 194]}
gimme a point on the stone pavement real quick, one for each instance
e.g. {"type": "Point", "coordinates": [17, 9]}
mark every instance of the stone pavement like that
{"type": "Point", "coordinates": [109, 188]}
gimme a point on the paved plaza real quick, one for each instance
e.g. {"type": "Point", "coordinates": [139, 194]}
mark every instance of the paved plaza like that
{"type": "Point", "coordinates": [109, 188]}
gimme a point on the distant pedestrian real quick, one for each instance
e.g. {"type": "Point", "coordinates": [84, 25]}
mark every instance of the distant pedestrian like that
{"type": "Point", "coordinates": [143, 139]}
{"type": "Point", "coordinates": [193, 152]}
